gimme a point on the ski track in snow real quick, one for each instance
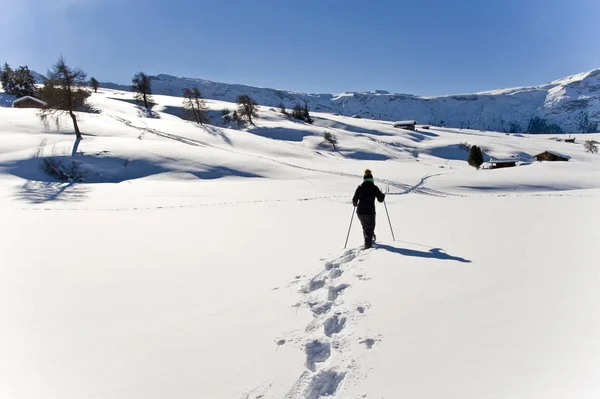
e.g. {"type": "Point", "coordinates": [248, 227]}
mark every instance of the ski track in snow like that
{"type": "Point", "coordinates": [403, 186]}
{"type": "Point", "coordinates": [329, 360]}
{"type": "Point", "coordinates": [416, 188]}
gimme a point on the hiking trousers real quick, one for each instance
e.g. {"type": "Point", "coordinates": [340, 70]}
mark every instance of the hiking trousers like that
{"type": "Point", "coordinates": [368, 226]}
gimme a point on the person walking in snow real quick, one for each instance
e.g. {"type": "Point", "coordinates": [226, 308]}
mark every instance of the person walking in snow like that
{"type": "Point", "coordinates": [364, 201]}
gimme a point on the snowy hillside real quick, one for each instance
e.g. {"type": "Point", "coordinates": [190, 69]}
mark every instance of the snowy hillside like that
{"type": "Point", "coordinates": [208, 262]}
{"type": "Point", "coordinates": [560, 102]}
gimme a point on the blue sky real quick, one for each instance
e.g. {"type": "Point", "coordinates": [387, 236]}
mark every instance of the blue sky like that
{"type": "Point", "coordinates": [426, 47]}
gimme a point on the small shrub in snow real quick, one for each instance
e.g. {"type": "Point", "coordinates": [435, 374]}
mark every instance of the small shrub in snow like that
{"type": "Point", "coordinates": [72, 172]}
{"type": "Point", "coordinates": [235, 117]}
{"type": "Point", "coordinates": [282, 109]}
{"type": "Point", "coordinates": [590, 146]}
{"type": "Point", "coordinates": [475, 157]}
{"type": "Point", "coordinates": [329, 138]}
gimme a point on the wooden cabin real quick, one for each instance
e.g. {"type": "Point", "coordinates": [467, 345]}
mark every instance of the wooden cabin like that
{"type": "Point", "coordinates": [551, 156]}
{"type": "Point", "coordinates": [426, 127]}
{"type": "Point", "coordinates": [29, 102]}
{"type": "Point", "coordinates": [409, 125]}
{"type": "Point", "coordinates": [502, 163]}
{"type": "Point", "coordinates": [571, 140]}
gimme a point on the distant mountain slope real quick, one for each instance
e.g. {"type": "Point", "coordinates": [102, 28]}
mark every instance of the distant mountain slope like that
{"type": "Point", "coordinates": [562, 103]}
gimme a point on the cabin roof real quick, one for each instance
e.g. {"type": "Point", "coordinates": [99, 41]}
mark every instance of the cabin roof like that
{"type": "Point", "coordinates": [37, 100]}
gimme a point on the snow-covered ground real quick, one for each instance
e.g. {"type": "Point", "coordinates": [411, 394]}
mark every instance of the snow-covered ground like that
{"type": "Point", "coordinates": [207, 262]}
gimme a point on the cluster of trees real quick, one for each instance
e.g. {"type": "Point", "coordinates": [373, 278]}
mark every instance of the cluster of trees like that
{"type": "Point", "coordinates": [246, 110]}
{"type": "Point", "coordinates": [194, 106]}
{"type": "Point", "coordinates": [19, 82]}
{"type": "Point", "coordinates": [64, 90]}
{"type": "Point", "coordinates": [298, 112]}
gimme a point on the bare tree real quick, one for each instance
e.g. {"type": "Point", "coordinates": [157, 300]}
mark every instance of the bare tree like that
{"type": "Point", "coordinates": [64, 92]}
{"type": "Point", "coordinates": [194, 106]}
{"type": "Point", "coordinates": [95, 84]}
{"type": "Point", "coordinates": [247, 108]}
{"type": "Point", "coordinates": [142, 87]}
{"type": "Point", "coordinates": [590, 146]}
{"type": "Point", "coordinates": [330, 138]}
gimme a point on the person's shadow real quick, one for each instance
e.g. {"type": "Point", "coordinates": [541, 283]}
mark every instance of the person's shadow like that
{"type": "Point", "coordinates": [434, 253]}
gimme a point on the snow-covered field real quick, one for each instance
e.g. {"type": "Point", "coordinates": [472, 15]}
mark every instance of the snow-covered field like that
{"type": "Point", "coordinates": [207, 262]}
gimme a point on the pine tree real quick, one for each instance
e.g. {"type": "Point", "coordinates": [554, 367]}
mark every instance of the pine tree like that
{"type": "Point", "coordinates": [7, 78]}
{"type": "Point", "coordinates": [95, 84]}
{"type": "Point", "coordinates": [247, 108]}
{"type": "Point", "coordinates": [475, 157]}
{"type": "Point", "coordinates": [23, 83]}
{"type": "Point", "coordinates": [194, 106]}
{"type": "Point", "coordinates": [64, 92]}
{"type": "Point", "coordinates": [142, 87]}
{"type": "Point", "coordinates": [305, 115]}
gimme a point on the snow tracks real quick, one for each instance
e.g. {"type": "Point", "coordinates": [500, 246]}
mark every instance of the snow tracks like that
{"type": "Point", "coordinates": [326, 341]}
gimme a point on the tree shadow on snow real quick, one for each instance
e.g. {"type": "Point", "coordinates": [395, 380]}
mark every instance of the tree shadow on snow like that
{"type": "Point", "coordinates": [453, 152]}
{"type": "Point", "coordinates": [280, 133]}
{"type": "Point", "coordinates": [39, 192]}
{"type": "Point", "coordinates": [217, 132]}
{"type": "Point", "coordinates": [366, 156]}
{"type": "Point", "coordinates": [41, 187]}
{"type": "Point", "coordinates": [141, 111]}
{"type": "Point", "coordinates": [328, 123]}
{"type": "Point", "coordinates": [434, 253]}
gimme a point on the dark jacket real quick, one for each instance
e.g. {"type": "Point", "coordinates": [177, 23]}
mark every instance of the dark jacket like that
{"type": "Point", "coordinates": [364, 198]}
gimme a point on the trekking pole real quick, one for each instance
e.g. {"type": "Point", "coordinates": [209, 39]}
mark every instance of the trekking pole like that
{"type": "Point", "coordinates": [351, 219]}
{"type": "Point", "coordinates": [388, 216]}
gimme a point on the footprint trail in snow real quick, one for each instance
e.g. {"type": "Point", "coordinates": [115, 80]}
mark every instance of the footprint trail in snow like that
{"type": "Point", "coordinates": [329, 362]}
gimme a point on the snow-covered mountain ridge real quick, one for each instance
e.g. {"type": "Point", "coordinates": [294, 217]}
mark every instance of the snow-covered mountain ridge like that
{"type": "Point", "coordinates": [561, 102]}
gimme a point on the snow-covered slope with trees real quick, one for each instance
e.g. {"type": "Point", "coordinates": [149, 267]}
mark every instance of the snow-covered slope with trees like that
{"type": "Point", "coordinates": [571, 104]}
{"type": "Point", "coordinates": [208, 262]}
